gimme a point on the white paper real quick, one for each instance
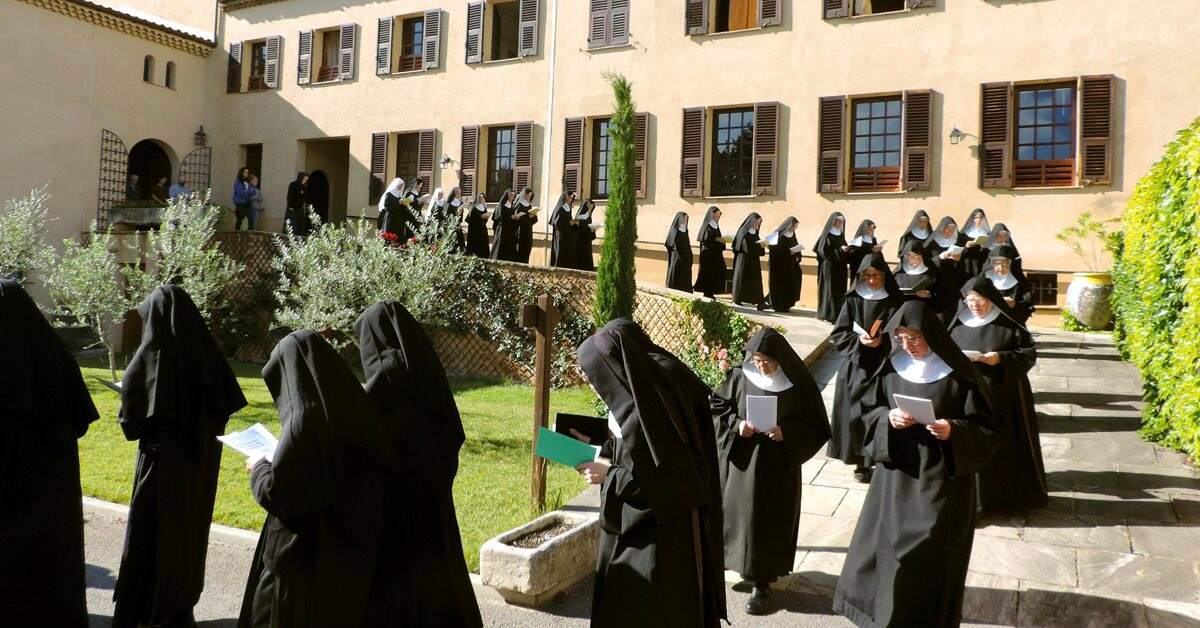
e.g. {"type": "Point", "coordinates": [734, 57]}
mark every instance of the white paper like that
{"type": "Point", "coordinates": [797, 248]}
{"type": "Point", "coordinates": [761, 411]}
{"type": "Point", "coordinates": [972, 355]}
{"type": "Point", "coordinates": [595, 227]}
{"type": "Point", "coordinates": [255, 442]}
{"type": "Point", "coordinates": [881, 243]}
{"type": "Point", "coordinates": [954, 250]}
{"type": "Point", "coordinates": [859, 330]}
{"type": "Point", "coordinates": [916, 407]}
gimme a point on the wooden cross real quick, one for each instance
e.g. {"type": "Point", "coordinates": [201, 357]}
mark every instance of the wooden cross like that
{"type": "Point", "coordinates": [542, 316]}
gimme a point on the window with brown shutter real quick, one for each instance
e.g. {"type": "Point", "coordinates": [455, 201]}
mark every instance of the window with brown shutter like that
{"type": "Point", "coordinates": [875, 144]}
{"type": "Point", "coordinates": [831, 130]}
{"type": "Point", "coordinates": [766, 147]}
{"type": "Point", "coordinates": [426, 157]}
{"type": "Point", "coordinates": [523, 163]}
{"type": "Point", "coordinates": [641, 143]}
{"type": "Point", "coordinates": [474, 40]}
{"type": "Point", "coordinates": [431, 56]}
{"type": "Point", "coordinates": [731, 169]}
{"type": "Point", "coordinates": [257, 79]}
{"type": "Point", "coordinates": [412, 44]}
{"type": "Point", "coordinates": [918, 140]}
{"type": "Point", "coordinates": [379, 144]}
{"type": "Point", "coordinates": [691, 171]}
{"type": "Point", "coordinates": [833, 9]}
{"type": "Point", "coordinates": [233, 73]}
{"type": "Point", "coordinates": [703, 17]}
{"type": "Point", "coordinates": [408, 156]}
{"type": "Point", "coordinates": [573, 155]}
{"type": "Point", "coordinates": [346, 51]}
{"type": "Point", "coordinates": [274, 48]}
{"type": "Point", "coordinates": [1095, 129]}
{"type": "Point", "coordinates": [995, 162]}
{"type": "Point", "coordinates": [601, 158]}
{"type": "Point", "coordinates": [383, 45]}
{"type": "Point", "coordinates": [468, 160]}
{"type": "Point", "coordinates": [1045, 135]}
{"type": "Point", "coordinates": [304, 59]}
{"type": "Point", "coordinates": [608, 23]}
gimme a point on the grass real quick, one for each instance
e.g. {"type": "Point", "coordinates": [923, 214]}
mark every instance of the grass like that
{"type": "Point", "coordinates": [491, 492]}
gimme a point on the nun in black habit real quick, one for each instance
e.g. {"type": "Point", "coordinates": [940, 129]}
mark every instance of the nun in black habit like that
{"type": "Point", "coordinates": [975, 256]}
{"type": "Point", "coordinates": [760, 471]}
{"type": "Point", "coordinates": [526, 218]}
{"type": "Point", "coordinates": [918, 229]}
{"type": "Point", "coordinates": [176, 396]}
{"type": "Point", "coordinates": [453, 219]}
{"type": "Point", "coordinates": [562, 243]}
{"type": "Point", "coordinates": [830, 250]}
{"type": "Point", "coordinates": [395, 212]}
{"type": "Point", "coordinates": [783, 262]}
{"type": "Point", "coordinates": [584, 236]}
{"type": "Point", "coordinates": [421, 575]}
{"type": "Point", "coordinates": [1001, 236]}
{"type": "Point", "coordinates": [747, 263]}
{"type": "Point", "coordinates": [679, 254]}
{"type": "Point", "coordinates": [861, 245]}
{"type": "Point", "coordinates": [1003, 352]}
{"type": "Point", "coordinates": [505, 225]}
{"type": "Point", "coordinates": [45, 409]}
{"type": "Point", "coordinates": [710, 279]}
{"type": "Point", "coordinates": [908, 557]}
{"type": "Point", "coordinates": [869, 305]}
{"type": "Point", "coordinates": [324, 493]}
{"type": "Point", "coordinates": [1005, 274]}
{"type": "Point", "coordinates": [917, 276]}
{"type": "Point", "coordinates": [477, 235]}
{"type": "Point", "coordinates": [946, 248]}
{"type": "Point", "coordinates": [657, 565]}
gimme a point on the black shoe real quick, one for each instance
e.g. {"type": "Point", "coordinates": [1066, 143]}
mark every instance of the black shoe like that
{"type": "Point", "coordinates": [862, 475]}
{"type": "Point", "coordinates": [760, 602]}
{"type": "Point", "coordinates": [737, 303]}
{"type": "Point", "coordinates": [709, 296]}
{"type": "Point", "coordinates": [761, 307]}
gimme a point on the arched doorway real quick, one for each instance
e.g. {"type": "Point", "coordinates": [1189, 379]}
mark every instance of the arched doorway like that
{"type": "Point", "coordinates": [149, 160]}
{"type": "Point", "coordinates": [318, 194]}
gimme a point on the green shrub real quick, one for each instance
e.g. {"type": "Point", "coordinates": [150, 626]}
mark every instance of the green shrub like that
{"type": "Point", "coordinates": [615, 284]}
{"type": "Point", "coordinates": [724, 333]}
{"type": "Point", "coordinates": [23, 245]}
{"type": "Point", "coordinates": [1156, 295]}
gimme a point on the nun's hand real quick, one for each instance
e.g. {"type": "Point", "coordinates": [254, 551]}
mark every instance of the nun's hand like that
{"type": "Point", "coordinates": [877, 248]}
{"type": "Point", "coordinates": [745, 430]}
{"type": "Point", "coordinates": [924, 294]}
{"type": "Point", "coordinates": [775, 434]}
{"type": "Point", "coordinates": [580, 436]}
{"type": "Point", "coordinates": [900, 419]}
{"type": "Point", "coordinates": [1010, 301]}
{"type": "Point", "coordinates": [972, 243]}
{"type": "Point", "coordinates": [868, 341]}
{"type": "Point", "coordinates": [991, 357]}
{"type": "Point", "coordinates": [593, 472]}
{"type": "Point", "coordinates": [940, 429]}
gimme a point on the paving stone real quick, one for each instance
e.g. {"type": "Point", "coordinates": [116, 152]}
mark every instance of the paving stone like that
{"type": "Point", "coordinates": [810, 469]}
{"type": "Point", "coordinates": [1074, 531]}
{"type": "Point", "coordinates": [1107, 448]}
{"type": "Point", "coordinates": [1048, 382]}
{"type": "Point", "coordinates": [1169, 458]}
{"type": "Point", "coordinates": [1187, 510]}
{"type": "Point", "coordinates": [1168, 614]}
{"type": "Point", "coordinates": [1055, 446]}
{"type": "Point", "coordinates": [822, 569]}
{"type": "Point", "coordinates": [1005, 526]}
{"type": "Point", "coordinates": [990, 599]}
{"type": "Point", "coordinates": [1120, 504]}
{"type": "Point", "coordinates": [1174, 542]}
{"type": "Point", "coordinates": [820, 500]}
{"type": "Point", "coordinates": [1162, 578]}
{"type": "Point", "coordinates": [1021, 559]}
{"type": "Point", "coordinates": [1116, 383]}
{"type": "Point", "coordinates": [1051, 409]}
{"type": "Point", "coordinates": [852, 503]}
{"type": "Point", "coordinates": [818, 533]}
{"type": "Point", "coordinates": [837, 473]}
{"type": "Point", "coordinates": [1051, 606]}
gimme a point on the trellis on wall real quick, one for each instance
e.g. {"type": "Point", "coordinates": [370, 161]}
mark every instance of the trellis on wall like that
{"type": "Point", "coordinates": [114, 169]}
{"type": "Point", "coordinates": [196, 169]}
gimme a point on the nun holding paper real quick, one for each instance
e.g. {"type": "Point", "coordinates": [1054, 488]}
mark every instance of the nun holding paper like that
{"type": "Point", "coordinates": [783, 259]}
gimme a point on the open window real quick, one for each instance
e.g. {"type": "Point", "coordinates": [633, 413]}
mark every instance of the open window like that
{"type": "Point", "coordinates": [410, 155]}
{"type": "Point", "coordinates": [834, 9]}
{"type": "Point", "coordinates": [327, 55]}
{"type": "Point", "coordinates": [409, 43]}
{"type": "Point", "coordinates": [731, 150]}
{"type": "Point", "coordinates": [875, 143]}
{"type": "Point", "coordinates": [501, 29]}
{"type": "Point", "coordinates": [254, 64]}
{"type": "Point", "coordinates": [496, 157]}
{"type": "Point", "coordinates": [703, 17]}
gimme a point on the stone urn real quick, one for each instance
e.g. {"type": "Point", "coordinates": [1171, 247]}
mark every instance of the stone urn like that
{"type": "Point", "coordinates": [531, 564]}
{"type": "Point", "coordinates": [1087, 299]}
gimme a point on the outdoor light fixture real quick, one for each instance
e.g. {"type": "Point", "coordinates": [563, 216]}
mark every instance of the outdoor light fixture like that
{"type": "Point", "coordinates": [956, 135]}
{"type": "Point", "coordinates": [201, 137]}
{"type": "Point", "coordinates": [445, 161]}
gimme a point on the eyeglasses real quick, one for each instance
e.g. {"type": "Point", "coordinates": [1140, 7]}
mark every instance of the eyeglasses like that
{"type": "Point", "coordinates": [907, 340]}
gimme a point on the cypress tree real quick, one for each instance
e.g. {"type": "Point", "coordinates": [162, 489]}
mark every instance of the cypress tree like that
{"type": "Point", "coordinates": [615, 285]}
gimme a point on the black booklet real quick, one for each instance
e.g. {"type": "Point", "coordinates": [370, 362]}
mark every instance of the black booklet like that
{"type": "Point", "coordinates": [595, 428]}
{"type": "Point", "coordinates": [916, 285]}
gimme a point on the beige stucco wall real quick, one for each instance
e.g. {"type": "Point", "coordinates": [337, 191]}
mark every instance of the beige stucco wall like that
{"type": "Point", "coordinates": [196, 14]}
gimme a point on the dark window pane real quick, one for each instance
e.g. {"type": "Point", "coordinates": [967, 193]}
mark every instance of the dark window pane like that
{"type": "Point", "coordinates": [501, 152]}
{"type": "Point", "coordinates": [1062, 133]}
{"type": "Point", "coordinates": [732, 149]}
{"type": "Point", "coordinates": [601, 154]}
{"type": "Point", "coordinates": [1044, 152]}
{"type": "Point", "coordinates": [1062, 114]}
{"type": "Point", "coordinates": [1062, 151]}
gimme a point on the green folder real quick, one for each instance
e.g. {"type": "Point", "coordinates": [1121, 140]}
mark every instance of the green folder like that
{"type": "Point", "coordinates": [563, 449]}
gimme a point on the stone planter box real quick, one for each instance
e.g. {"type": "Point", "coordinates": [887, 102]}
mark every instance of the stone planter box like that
{"type": "Point", "coordinates": [533, 576]}
{"type": "Point", "coordinates": [136, 216]}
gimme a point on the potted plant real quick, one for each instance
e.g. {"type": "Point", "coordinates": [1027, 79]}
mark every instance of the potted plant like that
{"type": "Point", "coordinates": [1088, 294]}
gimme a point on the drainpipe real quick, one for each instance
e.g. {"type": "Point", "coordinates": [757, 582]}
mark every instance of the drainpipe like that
{"type": "Point", "coordinates": [549, 126]}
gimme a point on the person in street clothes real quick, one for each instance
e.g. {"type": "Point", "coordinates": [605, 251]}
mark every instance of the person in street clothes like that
{"type": "Point", "coordinates": [747, 264]}
{"type": "Point", "coordinates": [831, 249]}
{"type": "Point", "coordinates": [679, 254]}
{"type": "Point", "coordinates": [241, 199]}
{"type": "Point", "coordinates": [710, 279]}
{"type": "Point", "coordinates": [256, 202]}
{"type": "Point", "coordinates": [783, 263]}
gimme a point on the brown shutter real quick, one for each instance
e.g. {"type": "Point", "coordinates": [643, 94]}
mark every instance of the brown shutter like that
{"type": "Point", "coordinates": [836, 8]}
{"type": "Point", "coordinates": [641, 143]}
{"type": "Point", "coordinates": [918, 4]}
{"type": "Point", "coordinates": [769, 13]}
{"type": "Point", "coordinates": [573, 156]}
{"type": "Point", "coordinates": [618, 30]}
{"type": "Point", "coordinates": [383, 46]}
{"type": "Point", "coordinates": [691, 172]}
{"type": "Point", "coordinates": [379, 146]}
{"type": "Point", "coordinates": [523, 162]}
{"type": "Point", "coordinates": [233, 75]}
{"type": "Point", "coordinates": [527, 31]}
{"type": "Point", "coordinates": [766, 148]}
{"type": "Point", "coordinates": [271, 73]}
{"type": "Point", "coordinates": [468, 161]}
{"type": "Point", "coordinates": [995, 159]}
{"type": "Point", "coordinates": [598, 14]}
{"type": "Point", "coordinates": [474, 33]}
{"type": "Point", "coordinates": [917, 158]}
{"type": "Point", "coordinates": [304, 61]}
{"type": "Point", "coordinates": [1096, 95]}
{"type": "Point", "coordinates": [431, 55]}
{"type": "Point", "coordinates": [831, 132]}
{"type": "Point", "coordinates": [426, 157]}
{"type": "Point", "coordinates": [695, 17]}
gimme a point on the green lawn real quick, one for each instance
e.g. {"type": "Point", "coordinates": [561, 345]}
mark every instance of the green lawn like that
{"type": "Point", "coordinates": [491, 492]}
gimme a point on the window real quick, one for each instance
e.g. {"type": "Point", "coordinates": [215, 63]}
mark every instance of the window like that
{"type": "Point", "coordinates": [503, 41]}
{"type": "Point", "coordinates": [732, 151]}
{"type": "Point", "coordinates": [412, 37]}
{"type": "Point", "coordinates": [739, 145]}
{"type": "Point", "coordinates": [506, 162]}
{"type": "Point", "coordinates": [601, 155]}
{"type": "Point", "coordinates": [847, 8]}
{"type": "Point", "coordinates": [587, 154]}
{"type": "Point", "coordinates": [258, 66]}
{"type": "Point", "coordinates": [608, 23]}
{"type": "Point", "coordinates": [409, 43]}
{"type": "Point", "coordinates": [876, 164]}
{"type": "Point", "coordinates": [329, 56]}
{"type": "Point", "coordinates": [252, 159]}
{"type": "Point", "coordinates": [170, 78]}
{"type": "Point", "coordinates": [501, 29]}
{"type": "Point", "coordinates": [1045, 136]}
{"type": "Point", "coordinates": [406, 155]}
{"type": "Point", "coordinates": [889, 146]}
{"type": "Point", "coordinates": [875, 7]}
{"type": "Point", "coordinates": [1044, 287]}
{"type": "Point", "coordinates": [148, 69]}
{"type": "Point", "coordinates": [702, 17]}
{"type": "Point", "coordinates": [501, 154]}
{"type": "Point", "coordinates": [411, 160]}
{"type": "Point", "coordinates": [255, 64]}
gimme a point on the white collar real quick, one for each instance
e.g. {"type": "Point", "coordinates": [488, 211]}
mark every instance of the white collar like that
{"type": "Point", "coordinates": [682, 228]}
{"type": "Point", "coordinates": [713, 224]}
{"type": "Point", "coordinates": [919, 233]}
{"type": "Point", "coordinates": [753, 231]}
{"type": "Point", "coordinates": [479, 207]}
{"type": "Point", "coordinates": [1001, 283]}
{"type": "Point", "coordinates": [835, 231]}
{"type": "Point", "coordinates": [946, 242]}
{"type": "Point", "coordinates": [860, 239]}
{"type": "Point", "coordinates": [919, 270]}
{"type": "Point", "coordinates": [927, 370]}
{"type": "Point", "coordinates": [773, 239]}
{"type": "Point", "coordinates": [523, 203]}
{"type": "Point", "coordinates": [975, 232]}
{"type": "Point", "coordinates": [968, 318]}
{"type": "Point", "coordinates": [867, 293]}
{"type": "Point", "coordinates": [456, 203]}
{"type": "Point", "coordinates": [770, 383]}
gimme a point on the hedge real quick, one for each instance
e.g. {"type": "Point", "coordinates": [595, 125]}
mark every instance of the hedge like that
{"type": "Point", "coordinates": [1156, 296]}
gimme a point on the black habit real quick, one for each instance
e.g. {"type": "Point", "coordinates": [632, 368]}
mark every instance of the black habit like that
{"type": "Point", "coordinates": [861, 245]}
{"type": "Point", "coordinates": [177, 394]}
{"type": "Point", "coordinates": [761, 477]}
{"type": "Point", "coordinates": [925, 277]}
{"type": "Point", "coordinates": [562, 243]}
{"type": "Point", "coordinates": [952, 274]}
{"type": "Point", "coordinates": [1001, 231]}
{"type": "Point", "coordinates": [747, 262]}
{"type": "Point", "coordinates": [525, 227]}
{"type": "Point", "coordinates": [975, 257]}
{"type": "Point", "coordinates": [584, 236]}
{"type": "Point", "coordinates": [477, 234]}
{"type": "Point", "coordinates": [784, 277]}
{"type": "Point", "coordinates": [45, 409]}
{"type": "Point", "coordinates": [915, 231]}
{"type": "Point", "coordinates": [908, 557]}
{"type": "Point", "coordinates": [296, 214]}
{"type": "Point", "coordinates": [679, 254]}
{"type": "Point", "coordinates": [710, 279]}
{"type": "Point", "coordinates": [1014, 285]}
{"type": "Point", "coordinates": [398, 218]}
{"type": "Point", "coordinates": [831, 269]}
{"type": "Point", "coordinates": [504, 229]}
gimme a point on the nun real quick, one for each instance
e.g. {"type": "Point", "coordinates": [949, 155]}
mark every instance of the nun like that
{"type": "Point", "coordinates": [747, 263]}
{"type": "Point", "coordinates": [679, 254]}
{"type": "Point", "coordinates": [396, 212]}
{"type": "Point", "coordinates": [830, 250]}
{"type": "Point", "coordinates": [1006, 276]}
{"type": "Point", "coordinates": [710, 279]}
{"type": "Point", "coordinates": [988, 331]}
{"type": "Point", "coordinates": [422, 577]}
{"type": "Point", "coordinates": [46, 409]}
{"type": "Point", "coordinates": [656, 566]}
{"type": "Point", "coordinates": [917, 276]}
{"type": "Point", "coordinates": [918, 229]}
{"type": "Point", "coordinates": [858, 335]}
{"type": "Point", "coordinates": [324, 493]}
{"type": "Point", "coordinates": [562, 243]}
{"type": "Point", "coordinates": [760, 468]}
{"type": "Point", "coordinates": [505, 224]}
{"type": "Point", "coordinates": [975, 256]}
{"type": "Point", "coordinates": [584, 236]}
{"type": "Point", "coordinates": [862, 244]}
{"type": "Point", "coordinates": [295, 217]}
{"type": "Point", "coordinates": [452, 219]}
{"type": "Point", "coordinates": [433, 221]}
{"type": "Point", "coordinates": [1001, 236]}
{"type": "Point", "coordinates": [783, 263]}
{"type": "Point", "coordinates": [477, 234]}
{"type": "Point", "coordinates": [177, 394]}
{"type": "Point", "coordinates": [526, 217]}
{"type": "Point", "coordinates": [945, 248]}
{"type": "Point", "coordinates": [907, 560]}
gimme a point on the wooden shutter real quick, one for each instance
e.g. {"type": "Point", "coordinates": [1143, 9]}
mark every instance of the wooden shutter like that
{"type": "Point", "coordinates": [383, 46]}
{"type": "Point", "coordinates": [995, 159]}
{"type": "Point", "coordinates": [468, 161]}
{"type": "Point", "coordinates": [474, 33]}
{"type": "Point", "coordinates": [836, 8]}
{"type": "Point", "coordinates": [618, 20]}
{"type": "Point", "coordinates": [426, 157]}
{"type": "Point", "coordinates": [271, 73]}
{"type": "Point", "coordinates": [831, 130]}
{"type": "Point", "coordinates": [695, 17]}
{"type": "Point", "coordinates": [691, 172]}
{"type": "Point", "coordinates": [431, 55]}
{"type": "Point", "coordinates": [523, 163]}
{"type": "Point", "coordinates": [1096, 129]}
{"type": "Point", "coordinates": [304, 62]}
{"type": "Point", "coordinates": [641, 143]}
{"type": "Point", "coordinates": [918, 4]}
{"type": "Point", "coordinates": [598, 15]}
{"type": "Point", "coordinates": [765, 172]}
{"type": "Point", "coordinates": [917, 158]}
{"type": "Point", "coordinates": [346, 57]}
{"type": "Point", "coordinates": [233, 76]}
{"type": "Point", "coordinates": [573, 156]}
{"type": "Point", "coordinates": [527, 31]}
{"type": "Point", "coordinates": [379, 147]}
{"type": "Point", "coordinates": [770, 13]}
